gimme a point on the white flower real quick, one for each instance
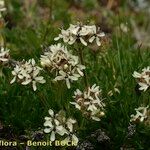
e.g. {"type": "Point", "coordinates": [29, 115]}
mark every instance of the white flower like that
{"type": "Point", "coordinates": [76, 105]}
{"type": "Point", "coordinates": [141, 114]}
{"type": "Point", "coordinates": [124, 27]}
{"type": "Point", "coordinates": [2, 5]}
{"type": "Point", "coordinates": [89, 102]}
{"type": "Point", "coordinates": [53, 125]}
{"type": "Point", "coordinates": [70, 131]}
{"type": "Point", "coordinates": [143, 78]}
{"type": "Point", "coordinates": [70, 122]}
{"type": "Point", "coordinates": [65, 65]}
{"type": "Point", "coordinates": [143, 86]}
{"type": "Point", "coordinates": [26, 73]}
{"type": "Point", "coordinates": [66, 36]}
{"type": "Point", "coordinates": [4, 55]}
{"type": "Point", "coordinates": [58, 124]}
{"type": "Point", "coordinates": [96, 36]}
{"type": "Point", "coordinates": [86, 30]}
{"type": "Point", "coordinates": [83, 33]}
{"type": "Point", "coordinates": [137, 75]}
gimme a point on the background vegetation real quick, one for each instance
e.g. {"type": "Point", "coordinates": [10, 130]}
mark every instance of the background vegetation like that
{"type": "Point", "coordinates": [32, 25]}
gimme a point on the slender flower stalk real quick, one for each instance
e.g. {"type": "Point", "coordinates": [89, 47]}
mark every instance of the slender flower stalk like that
{"type": "Point", "coordinates": [49, 20]}
{"type": "Point", "coordinates": [80, 51]}
{"type": "Point", "coordinates": [51, 10]}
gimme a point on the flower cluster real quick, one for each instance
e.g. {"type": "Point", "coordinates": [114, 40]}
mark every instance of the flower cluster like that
{"type": "Point", "coordinates": [4, 56]}
{"type": "Point", "coordinates": [89, 102]}
{"type": "Point", "coordinates": [141, 114]}
{"type": "Point", "coordinates": [58, 124]}
{"type": "Point", "coordinates": [65, 65]}
{"type": "Point", "coordinates": [83, 33]}
{"type": "Point", "coordinates": [143, 78]}
{"type": "Point", "coordinates": [2, 7]}
{"type": "Point", "coordinates": [27, 72]}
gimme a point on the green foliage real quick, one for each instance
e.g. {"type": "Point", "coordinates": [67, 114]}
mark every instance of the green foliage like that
{"type": "Point", "coordinates": [23, 109]}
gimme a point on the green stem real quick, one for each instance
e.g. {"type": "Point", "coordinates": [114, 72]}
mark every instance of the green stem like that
{"type": "Point", "coordinates": [51, 10]}
{"type": "Point", "coordinates": [83, 124]}
{"type": "Point", "coordinates": [119, 60]}
{"type": "Point", "coordinates": [44, 102]}
{"type": "Point", "coordinates": [80, 50]}
{"type": "Point", "coordinates": [60, 95]}
{"type": "Point", "coordinates": [49, 21]}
